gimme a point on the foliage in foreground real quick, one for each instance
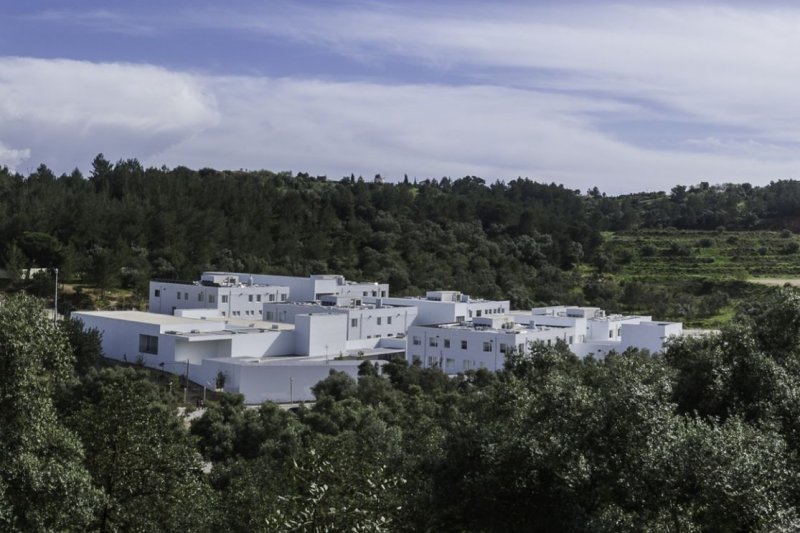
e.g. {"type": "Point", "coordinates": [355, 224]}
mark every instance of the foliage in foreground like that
{"type": "Point", "coordinates": [703, 438]}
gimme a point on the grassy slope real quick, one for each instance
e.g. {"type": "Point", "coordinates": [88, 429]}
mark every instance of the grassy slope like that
{"type": "Point", "coordinates": [682, 261]}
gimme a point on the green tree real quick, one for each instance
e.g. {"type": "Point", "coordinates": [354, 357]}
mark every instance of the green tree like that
{"type": "Point", "coordinates": [43, 483]}
{"type": "Point", "coordinates": [139, 453]}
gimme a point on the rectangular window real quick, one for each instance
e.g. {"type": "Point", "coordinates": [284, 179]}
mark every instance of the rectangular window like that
{"type": "Point", "coordinates": [463, 345]}
{"type": "Point", "coordinates": [503, 347]}
{"type": "Point", "coordinates": [460, 318]}
{"type": "Point", "coordinates": [272, 298]}
{"type": "Point", "coordinates": [211, 298]}
{"type": "Point", "coordinates": [185, 295]}
{"type": "Point", "coordinates": [416, 341]}
{"type": "Point", "coordinates": [449, 364]}
{"type": "Point", "coordinates": [224, 298]}
{"type": "Point", "coordinates": [610, 334]}
{"type": "Point", "coordinates": [478, 312]}
{"type": "Point", "coordinates": [431, 361]}
{"type": "Point", "coordinates": [249, 297]}
{"type": "Point", "coordinates": [148, 344]}
{"type": "Point", "coordinates": [383, 294]}
{"type": "Point", "coordinates": [283, 298]}
{"type": "Point", "coordinates": [258, 297]}
{"type": "Point", "coordinates": [487, 346]}
{"type": "Point", "coordinates": [200, 297]}
{"type": "Point", "coordinates": [570, 339]}
{"type": "Point", "coordinates": [389, 320]}
{"type": "Point", "coordinates": [269, 315]}
{"type": "Point", "coordinates": [379, 320]}
{"type": "Point", "coordinates": [467, 364]}
{"type": "Point", "coordinates": [433, 342]}
{"type": "Point", "coordinates": [179, 295]}
{"type": "Point", "coordinates": [447, 343]}
{"type": "Point", "coordinates": [365, 293]}
{"type": "Point", "coordinates": [157, 293]}
{"type": "Point", "coordinates": [416, 359]}
{"type": "Point", "coordinates": [353, 322]}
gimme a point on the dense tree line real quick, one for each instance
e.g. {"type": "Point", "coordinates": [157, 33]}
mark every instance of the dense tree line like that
{"type": "Point", "coordinates": [702, 438]}
{"type": "Point", "coordinates": [124, 224]}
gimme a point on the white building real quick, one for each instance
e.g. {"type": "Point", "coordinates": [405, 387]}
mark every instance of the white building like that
{"type": "Point", "coordinates": [261, 360]}
{"type": "Point", "coordinates": [366, 325]}
{"type": "Point", "coordinates": [314, 287]}
{"type": "Point", "coordinates": [231, 295]}
{"type": "Point", "coordinates": [484, 342]}
{"type": "Point", "coordinates": [442, 307]}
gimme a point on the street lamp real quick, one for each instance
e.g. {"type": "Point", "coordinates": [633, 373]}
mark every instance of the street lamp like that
{"type": "Point", "coordinates": [55, 301]}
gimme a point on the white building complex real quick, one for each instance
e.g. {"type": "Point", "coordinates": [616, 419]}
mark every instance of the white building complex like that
{"type": "Point", "coordinates": [274, 337]}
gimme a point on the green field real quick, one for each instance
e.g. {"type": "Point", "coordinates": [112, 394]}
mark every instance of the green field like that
{"type": "Point", "coordinates": [698, 277]}
{"type": "Point", "coordinates": [707, 255]}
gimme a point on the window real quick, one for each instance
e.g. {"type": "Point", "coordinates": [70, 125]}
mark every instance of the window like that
{"type": "Point", "coordinates": [449, 364]}
{"type": "Point", "coordinates": [200, 297]}
{"type": "Point", "coordinates": [487, 346]}
{"type": "Point", "coordinates": [185, 295]}
{"type": "Point", "coordinates": [610, 334]}
{"type": "Point", "coordinates": [269, 315]}
{"type": "Point", "coordinates": [468, 364]}
{"type": "Point", "coordinates": [570, 339]}
{"type": "Point", "coordinates": [365, 293]}
{"type": "Point", "coordinates": [224, 298]}
{"type": "Point", "coordinates": [415, 359]}
{"type": "Point", "coordinates": [383, 294]}
{"type": "Point", "coordinates": [211, 298]}
{"type": "Point", "coordinates": [470, 313]}
{"type": "Point", "coordinates": [258, 297]}
{"type": "Point", "coordinates": [431, 361]}
{"type": "Point", "coordinates": [353, 322]}
{"type": "Point", "coordinates": [272, 298]}
{"type": "Point", "coordinates": [416, 341]}
{"type": "Point", "coordinates": [250, 298]}
{"type": "Point", "coordinates": [157, 293]}
{"type": "Point", "coordinates": [179, 295]}
{"type": "Point", "coordinates": [460, 318]}
{"type": "Point", "coordinates": [283, 298]}
{"type": "Point", "coordinates": [148, 344]}
{"type": "Point", "coordinates": [389, 320]}
{"type": "Point", "coordinates": [379, 320]}
{"type": "Point", "coordinates": [433, 342]}
{"type": "Point", "coordinates": [447, 343]}
{"type": "Point", "coordinates": [478, 312]}
{"type": "Point", "coordinates": [463, 345]}
{"type": "Point", "coordinates": [503, 347]}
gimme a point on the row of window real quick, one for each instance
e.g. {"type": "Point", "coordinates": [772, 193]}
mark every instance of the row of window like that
{"type": "Point", "coordinates": [375, 294]}
{"type": "Point", "coordinates": [450, 363]}
{"type": "Point", "coordinates": [223, 298]}
{"type": "Point", "coordinates": [488, 346]}
{"type": "Point", "coordinates": [378, 321]}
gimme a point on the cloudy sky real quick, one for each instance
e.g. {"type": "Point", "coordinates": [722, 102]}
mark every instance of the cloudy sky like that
{"type": "Point", "coordinates": [626, 96]}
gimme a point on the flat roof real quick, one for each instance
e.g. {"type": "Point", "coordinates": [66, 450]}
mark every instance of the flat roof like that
{"type": "Point", "coordinates": [147, 318]}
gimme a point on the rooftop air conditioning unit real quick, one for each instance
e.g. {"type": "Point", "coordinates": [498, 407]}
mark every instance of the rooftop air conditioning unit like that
{"type": "Point", "coordinates": [275, 326]}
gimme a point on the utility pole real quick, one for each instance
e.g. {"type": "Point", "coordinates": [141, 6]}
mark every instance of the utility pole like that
{"type": "Point", "coordinates": [186, 385]}
{"type": "Point", "coordinates": [291, 392]}
{"type": "Point", "coordinates": [55, 302]}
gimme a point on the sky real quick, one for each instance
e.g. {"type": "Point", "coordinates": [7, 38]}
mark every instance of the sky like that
{"type": "Point", "coordinates": [628, 97]}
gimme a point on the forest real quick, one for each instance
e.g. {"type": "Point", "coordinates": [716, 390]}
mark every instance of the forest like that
{"type": "Point", "coordinates": [704, 437]}
{"type": "Point", "coordinates": [532, 243]}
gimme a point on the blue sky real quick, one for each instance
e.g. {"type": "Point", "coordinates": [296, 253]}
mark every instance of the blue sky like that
{"type": "Point", "coordinates": [626, 96]}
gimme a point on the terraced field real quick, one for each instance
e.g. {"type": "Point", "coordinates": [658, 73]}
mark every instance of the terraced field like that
{"type": "Point", "coordinates": [687, 255]}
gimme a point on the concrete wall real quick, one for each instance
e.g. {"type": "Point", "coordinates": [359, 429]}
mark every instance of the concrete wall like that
{"type": "Point", "coordinates": [320, 334]}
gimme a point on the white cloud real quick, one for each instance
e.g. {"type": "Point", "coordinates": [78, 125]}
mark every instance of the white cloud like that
{"type": "Point", "coordinates": [11, 158]}
{"type": "Point", "coordinates": [63, 112]}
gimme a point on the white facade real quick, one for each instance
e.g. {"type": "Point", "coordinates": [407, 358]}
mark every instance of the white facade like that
{"type": "Point", "coordinates": [443, 307]}
{"type": "Point", "coordinates": [313, 287]}
{"type": "Point", "coordinates": [483, 342]}
{"type": "Point", "coordinates": [365, 325]}
{"type": "Point", "coordinates": [230, 295]}
{"type": "Point", "coordinates": [260, 359]}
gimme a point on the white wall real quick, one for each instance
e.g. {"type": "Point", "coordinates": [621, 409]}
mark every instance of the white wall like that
{"type": "Point", "coordinates": [320, 334]}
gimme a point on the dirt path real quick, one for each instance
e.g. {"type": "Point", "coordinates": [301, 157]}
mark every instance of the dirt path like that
{"type": "Point", "coordinates": [776, 281]}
